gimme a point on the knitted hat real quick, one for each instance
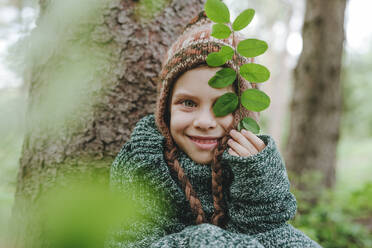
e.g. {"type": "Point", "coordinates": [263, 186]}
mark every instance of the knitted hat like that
{"type": "Point", "coordinates": [187, 52]}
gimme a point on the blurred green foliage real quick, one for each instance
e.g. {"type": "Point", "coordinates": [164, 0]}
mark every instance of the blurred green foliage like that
{"type": "Point", "coordinates": [12, 105]}
{"type": "Point", "coordinates": [359, 203]}
{"type": "Point", "coordinates": [82, 213]}
{"type": "Point", "coordinates": [336, 220]}
{"type": "Point", "coordinates": [343, 215]}
{"type": "Point", "coordinates": [354, 167]}
{"type": "Point", "coordinates": [80, 216]}
{"type": "Point", "coordinates": [357, 87]}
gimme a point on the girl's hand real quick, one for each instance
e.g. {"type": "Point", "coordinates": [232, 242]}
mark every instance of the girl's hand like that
{"type": "Point", "coordinates": [244, 143]}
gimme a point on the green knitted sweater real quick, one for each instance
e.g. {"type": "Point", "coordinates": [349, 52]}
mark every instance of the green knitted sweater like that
{"type": "Point", "coordinates": [256, 190]}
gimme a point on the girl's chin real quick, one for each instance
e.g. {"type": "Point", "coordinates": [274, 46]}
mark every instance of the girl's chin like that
{"type": "Point", "coordinates": [201, 159]}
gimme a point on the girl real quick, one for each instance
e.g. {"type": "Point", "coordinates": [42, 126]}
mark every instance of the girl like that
{"type": "Point", "coordinates": [211, 185]}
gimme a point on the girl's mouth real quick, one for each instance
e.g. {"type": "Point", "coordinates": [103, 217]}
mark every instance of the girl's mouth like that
{"type": "Point", "coordinates": [204, 144]}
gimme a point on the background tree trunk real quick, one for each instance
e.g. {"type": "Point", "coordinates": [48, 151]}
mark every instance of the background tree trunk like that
{"type": "Point", "coordinates": [316, 104]}
{"type": "Point", "coordinates": [112, 56]}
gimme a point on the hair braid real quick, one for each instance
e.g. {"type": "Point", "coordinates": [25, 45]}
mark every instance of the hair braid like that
{"type": "Point", "coordinates": [191, 196]}
{"type": "Point", "coordinates": [219, 217]}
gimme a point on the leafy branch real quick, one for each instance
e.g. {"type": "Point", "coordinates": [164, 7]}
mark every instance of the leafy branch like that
{"type": "Point", "coordinates": [251, 99]}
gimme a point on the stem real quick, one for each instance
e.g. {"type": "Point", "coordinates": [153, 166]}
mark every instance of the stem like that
{"type": "Point", "coordinates": [235, 64]}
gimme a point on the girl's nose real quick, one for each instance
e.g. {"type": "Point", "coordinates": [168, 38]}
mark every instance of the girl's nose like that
{"type": "Point", "coordinates": [205, 120]}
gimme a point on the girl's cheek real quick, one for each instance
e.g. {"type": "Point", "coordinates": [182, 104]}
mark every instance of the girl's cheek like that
{"type": "Point", "coordinates": [181, 119]}
{"type": "Point", "coordinates": [228, 121]}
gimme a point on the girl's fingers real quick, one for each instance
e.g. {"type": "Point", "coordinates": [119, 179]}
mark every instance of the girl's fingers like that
{"type": "Point", "coordinates": [243, 141]}
{"type": "Point", "coordinates": [257, 142]}
{"type": "Point", "coordinates": [239, 149]}
{"type": "Point", "coordinates": [232, 152]}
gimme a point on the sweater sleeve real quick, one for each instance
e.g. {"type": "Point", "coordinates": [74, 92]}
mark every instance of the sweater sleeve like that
{"type": "Point", "coordinates": [285, 236]}
{"type": "Point", "coordinates": [259, 198]}
{"type": "Point", "coordinates": [207, 236]}
{"type": "Point", "coordinates": [260, 202]}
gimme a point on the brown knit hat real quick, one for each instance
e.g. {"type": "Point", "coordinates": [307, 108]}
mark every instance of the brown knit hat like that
{"type": "Point", "coordinates": [187, 52]}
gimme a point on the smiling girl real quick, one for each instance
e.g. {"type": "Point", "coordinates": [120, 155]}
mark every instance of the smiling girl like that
{"type": "Point", "coordinates": [211, 185]}
{"type": "Point", "coordinates": [193, 126]}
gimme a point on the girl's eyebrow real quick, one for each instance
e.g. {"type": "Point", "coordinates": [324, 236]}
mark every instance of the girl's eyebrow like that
{"type": "Point", "coordinates": [187, 95]}
{"type": "Point", "coordinates": [183, 95]}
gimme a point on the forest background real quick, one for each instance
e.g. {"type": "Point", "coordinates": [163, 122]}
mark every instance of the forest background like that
{"type": "Point", "coordinates": [342, 216]}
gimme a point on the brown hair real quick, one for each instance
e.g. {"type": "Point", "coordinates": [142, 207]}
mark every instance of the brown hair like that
{"type": "Point", "coordinates": [219, 217]}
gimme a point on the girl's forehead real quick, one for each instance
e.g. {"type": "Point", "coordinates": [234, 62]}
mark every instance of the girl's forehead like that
{"type": "Point", "coordinates": [194, 82]}
{"type": "Point", "coordinates": [199, 72]}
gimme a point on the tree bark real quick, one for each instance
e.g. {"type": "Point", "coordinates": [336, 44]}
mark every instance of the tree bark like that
{"type": "Point", "coordinates": [316, 103]}
{"type": "Point", "coordinates": [120, 90]}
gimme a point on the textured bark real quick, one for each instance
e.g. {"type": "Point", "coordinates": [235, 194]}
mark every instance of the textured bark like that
{"type": "Point", "coordinates": [125, 92]}
{"type": "Point", "coordinates": [316, 104]}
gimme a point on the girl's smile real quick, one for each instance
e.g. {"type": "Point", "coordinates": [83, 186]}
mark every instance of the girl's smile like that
{"type": "Point", "coordinates": [205, 143]}
{"type": "Point", "coordinates": [193, 125]}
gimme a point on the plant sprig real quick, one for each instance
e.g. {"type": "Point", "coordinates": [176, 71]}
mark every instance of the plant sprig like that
{"type": "Point", "coordinates": [251, 99]}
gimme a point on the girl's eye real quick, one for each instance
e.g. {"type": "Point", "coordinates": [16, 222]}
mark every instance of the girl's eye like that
{"type": "Point", "coordinates": [188, 103]}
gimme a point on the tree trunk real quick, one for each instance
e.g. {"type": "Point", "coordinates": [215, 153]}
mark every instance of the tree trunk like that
{"type": "Point", "coordinates": [91, 74]}
{"type": "Point", "coordinates": [316, 104]}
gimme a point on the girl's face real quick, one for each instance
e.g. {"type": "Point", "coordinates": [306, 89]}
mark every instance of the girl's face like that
{"type": "Point", "coordinates": [193, 124]}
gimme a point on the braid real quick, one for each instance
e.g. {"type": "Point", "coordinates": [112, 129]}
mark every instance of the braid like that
{"type": "Point", "coordinates": [219, 217]}
{"type": "Point", "coordinates": [191, 196]}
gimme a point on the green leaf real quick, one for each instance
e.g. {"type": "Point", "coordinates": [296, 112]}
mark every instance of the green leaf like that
{"type": "Point", "coordinates": [217, 11]}
{"type": "Point", "coordinates": [243, 19]}
{"type": "Point", "coordinates": [215, 59]}
{"type": "Point", "coordinates": [225, 104]}
{"type": "Point", "coordinates": [252, 47]}
{"type": "Point", "coordinates": [220, 31]}
{"type": "Point", "coordinates": [227, 52]}
{"type": "Point", "coordinates": [255, 100]}
{"type": "Point", "coordinates": [223, 78]}
{"type": "Point", "coordinates": [254, 73]}
{"type": "Point", "coordinates": [240, 126]}
{"type": "Point", "coordinates": [250, 124]}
